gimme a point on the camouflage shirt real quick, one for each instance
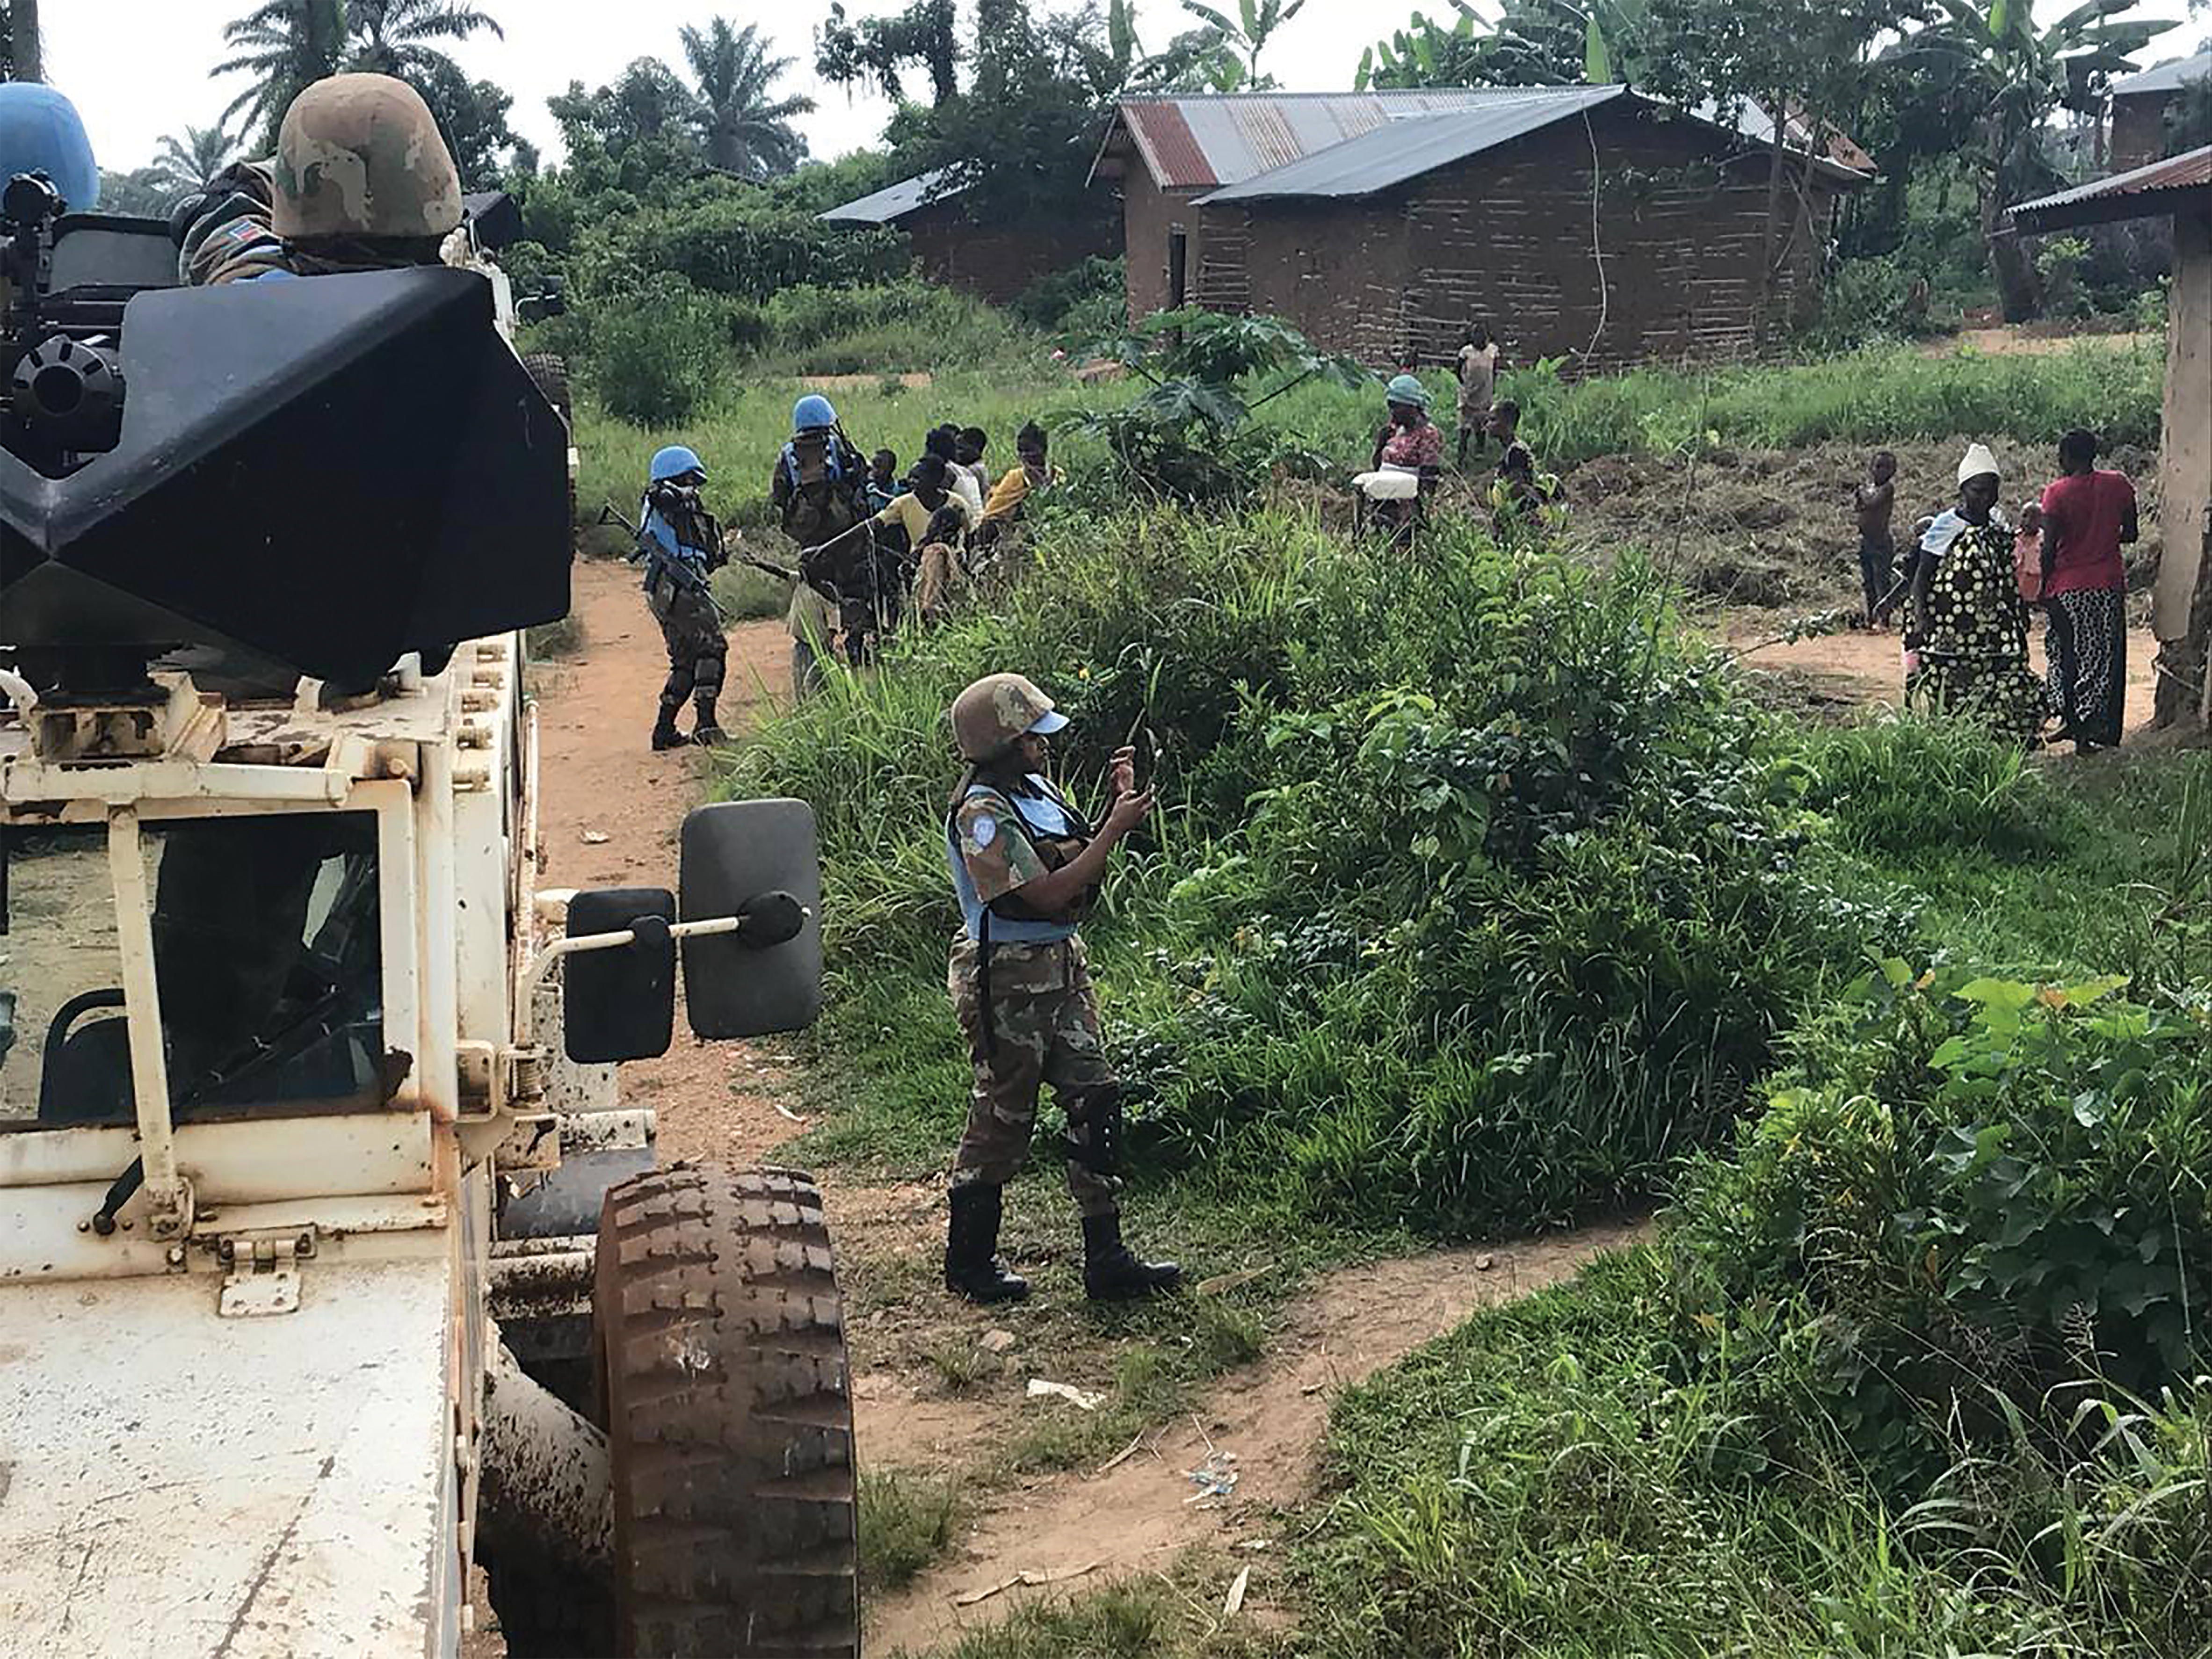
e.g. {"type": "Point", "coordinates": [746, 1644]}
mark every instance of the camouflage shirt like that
{"type": "Point", "coordinates": [998, 853]}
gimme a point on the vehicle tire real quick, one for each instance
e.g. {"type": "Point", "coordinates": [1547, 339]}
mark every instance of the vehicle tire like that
{"type": "Point", "coordinates": [725, 1394]}
{"type": "Point", "coordinates": [552, 373]}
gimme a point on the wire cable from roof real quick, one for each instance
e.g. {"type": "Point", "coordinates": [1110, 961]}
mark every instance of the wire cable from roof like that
{"type": "Point", "coordinates": [1597, 247]}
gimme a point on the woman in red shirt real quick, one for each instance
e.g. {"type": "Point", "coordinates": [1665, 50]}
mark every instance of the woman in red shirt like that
{"type": "Point", "coordinates": [2087, 516]}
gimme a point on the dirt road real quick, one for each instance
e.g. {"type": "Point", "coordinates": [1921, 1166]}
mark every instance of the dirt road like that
{"type": "Point", "coordinates": [610, 810]}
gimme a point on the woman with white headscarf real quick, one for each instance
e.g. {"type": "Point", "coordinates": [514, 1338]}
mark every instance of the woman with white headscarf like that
{"type": "Point", "coordinates": [1969, 625]}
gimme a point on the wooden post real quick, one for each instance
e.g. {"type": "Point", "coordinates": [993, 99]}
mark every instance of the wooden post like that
{"type": "Point", "coordinates": [2181, 614]}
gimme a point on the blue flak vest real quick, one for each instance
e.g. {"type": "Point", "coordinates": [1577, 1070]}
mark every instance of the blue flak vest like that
{"type": "Point", "coordinates": [1046, 818]}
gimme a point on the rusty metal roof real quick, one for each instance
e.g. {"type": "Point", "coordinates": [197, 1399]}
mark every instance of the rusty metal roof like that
{"type": "Point", "coordinates": [1203, 141]}
{"type": "Point", "coordinates": [2179, 184]}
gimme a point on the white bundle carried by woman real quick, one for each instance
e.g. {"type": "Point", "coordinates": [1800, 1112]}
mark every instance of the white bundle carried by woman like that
{"type": "Point", "coordinates": [1391, 483]}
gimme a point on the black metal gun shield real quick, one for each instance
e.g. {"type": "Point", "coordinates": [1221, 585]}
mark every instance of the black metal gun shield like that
{"type": "Point", "coordinates": [328, 471]}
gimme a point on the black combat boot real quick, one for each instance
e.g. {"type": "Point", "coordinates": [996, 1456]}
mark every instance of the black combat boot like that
{"type": "Point", "coordinates": [706, 729]}
{"type": "Point", "coordinates": [972, 1267]}
{"type": "Point", "coordinates": [1111, 1274]}
{"type": "Point", "coordinates": [664, 734]}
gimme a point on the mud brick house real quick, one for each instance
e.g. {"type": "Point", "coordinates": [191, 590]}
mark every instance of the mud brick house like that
{"type": "Point", "coordinates": [2139, 105]}
{"type": "Point", "coordinates": [2181, 610]}
{"type": "Point", "coordinates": [1582, 222]}
{"type": "Point", "coordinates": [995, 262]}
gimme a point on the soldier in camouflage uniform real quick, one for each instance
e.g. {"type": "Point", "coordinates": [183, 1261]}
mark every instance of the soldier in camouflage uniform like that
{"type": "Point", "coordinates": [361, 181]}
{"type": "Point", "coordinates": [683, 549]}
{"type": "Point", "coordinates": [1026, 866]}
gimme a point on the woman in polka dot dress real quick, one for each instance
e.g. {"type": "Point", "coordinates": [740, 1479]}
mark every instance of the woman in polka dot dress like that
{"type": "Point", "coordinates": [1969, 624]}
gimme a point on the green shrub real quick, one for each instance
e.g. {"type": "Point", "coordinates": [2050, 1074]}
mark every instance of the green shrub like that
{"type": "Point", "coordinates": [1084, 300]}
{"type": "Point", "coordinates": [1985, 1191]}
{"type": "Point", "coordinates": [735, 241]}
{"type": "Point", "coordinates": [1905, 785]}
{"type": "Point", "coordinates": [1474, 901]}
{"type": "Point", "coordinates": [656, 353]}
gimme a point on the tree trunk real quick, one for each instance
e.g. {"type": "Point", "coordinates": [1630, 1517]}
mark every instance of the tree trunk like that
{"type": "Point", "coordinates": [30, 56]}
{"type": "Point", "coordinates": [2019, 294]}
{"type": "Point", "coordinates": [1763, 315]}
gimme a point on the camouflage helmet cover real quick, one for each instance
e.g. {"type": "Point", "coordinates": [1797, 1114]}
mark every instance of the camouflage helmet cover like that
{"type": "Point", "coordinates": [359, 156]}
{"type": "Point", "coordinates": [998, 708]}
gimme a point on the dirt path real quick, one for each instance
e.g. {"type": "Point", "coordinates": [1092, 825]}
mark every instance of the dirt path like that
{"type": "Point", "coordinates": [610, 809]}
{"type": "Point", "coordinates": [1138, 1516]}
{"type": "Point", "coordinates": [1854, 669]}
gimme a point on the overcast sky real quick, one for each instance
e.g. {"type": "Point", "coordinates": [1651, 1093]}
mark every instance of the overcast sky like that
{"type": "Point", "coordinates": [138, 69]}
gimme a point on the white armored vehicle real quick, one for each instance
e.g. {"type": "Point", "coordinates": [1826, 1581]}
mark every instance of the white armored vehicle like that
{"type": "Point", "coordinates": [329, 1266]}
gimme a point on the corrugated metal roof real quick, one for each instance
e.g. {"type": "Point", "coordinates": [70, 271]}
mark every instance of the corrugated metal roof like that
{"type": "Point", "coordinates": [1415, 144]}
{"type": "Point", "coordinates": [2166, 77]}
{"type": "Point", "coordinates": [894, 201]}
{"type": "Point", "coordinates": [1412, 144]}
{"type": "Point", "coordinates": [2139, 193]}
{"type": "Point", "coordinates": [1201, 140]}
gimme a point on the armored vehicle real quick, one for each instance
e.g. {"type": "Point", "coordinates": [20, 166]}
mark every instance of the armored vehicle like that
{"type": "Point", "coordinates": [331, 1267]}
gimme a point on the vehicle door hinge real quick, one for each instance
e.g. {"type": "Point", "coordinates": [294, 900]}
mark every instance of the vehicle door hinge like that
{"type": "Point", "coordinates": [261, 1272]}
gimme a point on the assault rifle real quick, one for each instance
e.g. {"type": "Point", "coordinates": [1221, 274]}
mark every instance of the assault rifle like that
{"type": "Point", "coordinates": [651, 551]}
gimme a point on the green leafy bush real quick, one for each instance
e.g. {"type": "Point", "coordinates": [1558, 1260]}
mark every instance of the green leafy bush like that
{"type": "Point", "coordinates": [1086, 300]}
{"type": "Point", "coordinates": [1476, 900]}
{"type": "Point", "coordinates": [735, 241]}
{"type": "Point", "coordinates": [658, 352]}
{"type": "Point", "coordinates": [1987, 1194]}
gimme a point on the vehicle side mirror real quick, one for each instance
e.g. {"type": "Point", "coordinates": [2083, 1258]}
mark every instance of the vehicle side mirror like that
{"type": "Point", "coordinates": [620, 1004]}
{"type": "Point", "coordinates": [756, 860]}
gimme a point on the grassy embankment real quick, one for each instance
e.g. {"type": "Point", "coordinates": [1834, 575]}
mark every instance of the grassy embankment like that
{"type": "Point", "coordinates": [1481, 903]}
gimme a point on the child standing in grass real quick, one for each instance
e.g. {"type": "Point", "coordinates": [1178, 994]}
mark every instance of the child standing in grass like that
{"type": "Point", "coordinates": [1874, 501]}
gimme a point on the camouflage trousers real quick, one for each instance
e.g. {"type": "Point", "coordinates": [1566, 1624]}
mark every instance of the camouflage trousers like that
{"type": "Point", "coordinates": [1044, 1027]}
{"type": "Point", "coordinates": [691, 627]}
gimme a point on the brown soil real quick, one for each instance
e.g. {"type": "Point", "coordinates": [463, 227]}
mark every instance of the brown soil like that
{"type": "Point", "coordinates": [1844, 673]}
{"type": "Point", "coordinates": [1773, 528]}
{"type": "Point", "coordinates": [1139, 1515]}
{"type": "Point", "coordinates": [2032, 340]}
{"type": "Point", "coordinates": [600, 777]}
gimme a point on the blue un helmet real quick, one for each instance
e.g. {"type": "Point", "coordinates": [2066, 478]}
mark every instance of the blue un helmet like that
{"type": "Point", "coordinates": [674, 462]}
{"type": "Point", "coordinates": [812, 413]}
{"type": "Point", "coordinates": [41, 131]}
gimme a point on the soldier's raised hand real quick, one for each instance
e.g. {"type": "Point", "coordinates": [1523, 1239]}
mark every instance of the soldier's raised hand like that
{"type": "Point", "coordinates": [1124, 766]}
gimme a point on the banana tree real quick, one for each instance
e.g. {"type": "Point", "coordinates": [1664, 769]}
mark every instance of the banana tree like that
{"type": "Point", "coordinates": [2023, 75]}
{"type": "Point", "coordinates": [1237, 42]}
{"type": "Point", "coordinates": [1532, 43]}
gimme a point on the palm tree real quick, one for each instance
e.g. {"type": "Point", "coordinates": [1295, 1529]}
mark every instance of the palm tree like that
{"type": "Point", "coordinates": [186, 163]}
{"type": "Point", "coordinates": [284, 45]}
{"type": "Point", "coordinates": [746, 132]}
{"type": "Point", "coordinates": [391, 37]}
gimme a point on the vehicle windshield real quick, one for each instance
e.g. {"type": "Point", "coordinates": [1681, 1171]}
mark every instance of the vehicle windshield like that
{"type": "Point", "coordinates": [266, 956]}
